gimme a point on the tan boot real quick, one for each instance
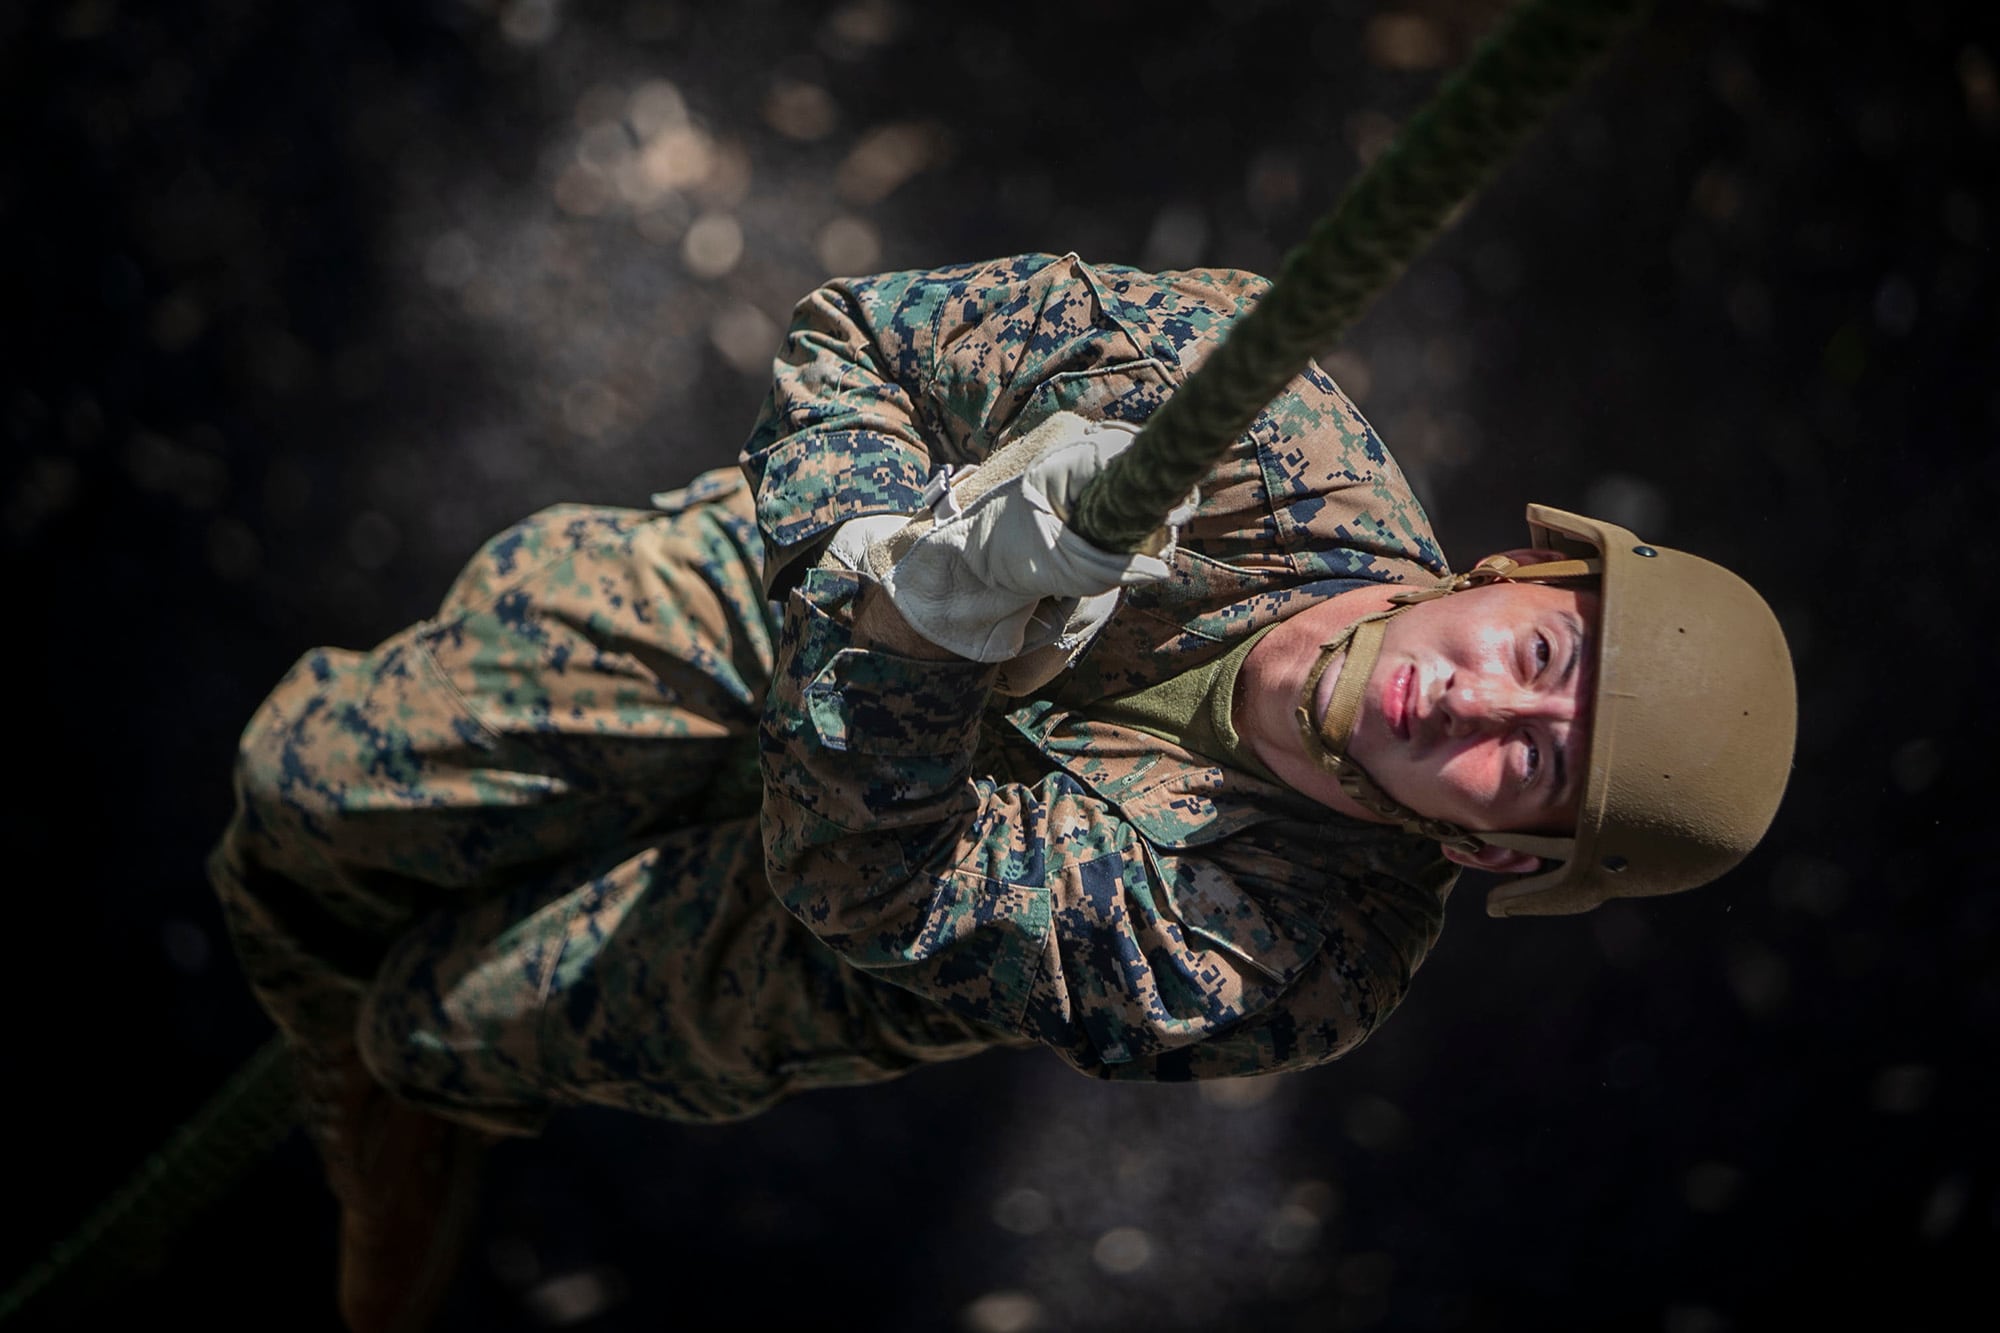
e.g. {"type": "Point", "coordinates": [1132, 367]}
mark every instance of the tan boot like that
{"type": "Point", "coordinates": [407, 1183]}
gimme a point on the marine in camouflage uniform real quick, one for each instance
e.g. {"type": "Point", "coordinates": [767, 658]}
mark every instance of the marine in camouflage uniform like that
{"type": "Point", "coordinates": [639, 819]}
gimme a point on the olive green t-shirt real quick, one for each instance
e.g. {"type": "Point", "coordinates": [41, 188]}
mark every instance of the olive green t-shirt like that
{"type": "Point", "coordinates": [1193, 710]}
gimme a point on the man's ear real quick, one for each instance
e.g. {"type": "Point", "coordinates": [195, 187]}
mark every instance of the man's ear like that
{"type": "Point", "coordinates": [1499, 860]}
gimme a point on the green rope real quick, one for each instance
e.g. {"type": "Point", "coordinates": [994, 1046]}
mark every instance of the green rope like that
{"type": "Point", "coordinates": [1437, 164]}
{"type": "Point", "coordinates": [251, 1114]}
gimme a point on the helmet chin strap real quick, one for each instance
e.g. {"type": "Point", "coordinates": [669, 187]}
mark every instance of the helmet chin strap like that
{"type": "Point", "coordinates": [1328, 740]}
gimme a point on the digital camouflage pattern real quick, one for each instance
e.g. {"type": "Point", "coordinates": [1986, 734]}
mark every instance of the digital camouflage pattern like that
{"type": "Point", "coordinates": [546, 797]}
{"type": "Point", "coordinates": [1141, 910]}
{"type": "Point", "coordinates": [523, 851]}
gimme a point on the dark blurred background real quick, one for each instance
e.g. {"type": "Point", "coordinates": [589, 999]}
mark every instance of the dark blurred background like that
{"type": "Point", "coordinates": [300, 302]}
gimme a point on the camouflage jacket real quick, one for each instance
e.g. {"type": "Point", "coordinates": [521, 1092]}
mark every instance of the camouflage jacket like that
{"type": "Point", "coordinates": [1140, 909]}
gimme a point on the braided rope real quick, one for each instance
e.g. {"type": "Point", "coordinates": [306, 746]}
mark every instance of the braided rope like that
{"type": "Point", "coordinates": [247, 1117]}
{"type": "Point", "coordinates": [1437, 164]}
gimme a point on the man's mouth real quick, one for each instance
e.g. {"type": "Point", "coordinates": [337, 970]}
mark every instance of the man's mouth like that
{"type": "Point", "coordinates": [1396, 700]}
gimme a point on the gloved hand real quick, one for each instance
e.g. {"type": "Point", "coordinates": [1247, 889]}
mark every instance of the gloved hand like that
{"type": "Point", "coordinates": [994, 572]}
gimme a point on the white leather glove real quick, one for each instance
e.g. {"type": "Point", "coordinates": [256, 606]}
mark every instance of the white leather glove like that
{"type": "Point", "coordinates": [994, 571]}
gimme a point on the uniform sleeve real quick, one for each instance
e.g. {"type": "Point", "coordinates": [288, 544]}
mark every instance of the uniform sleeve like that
{"type": "Point", "coordinates": [1034, 907]}
{"type": "Point", "coordinates": [882, 379]}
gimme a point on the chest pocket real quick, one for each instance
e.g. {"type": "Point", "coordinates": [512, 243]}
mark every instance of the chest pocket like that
{"type": "Point", "coordinates": [1264, 917]}
{"type": "Point", "coordinates": [1124, 391]}
{"type": "Point", "coordinates": [1176, 799]}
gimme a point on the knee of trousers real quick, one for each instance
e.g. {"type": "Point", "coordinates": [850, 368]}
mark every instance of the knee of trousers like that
{"type": "Point", "coordinates": [456, 1030]}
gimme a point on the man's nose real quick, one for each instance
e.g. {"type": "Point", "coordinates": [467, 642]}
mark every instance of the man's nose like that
{"type": "Point", "coordinates": [1474, 706]}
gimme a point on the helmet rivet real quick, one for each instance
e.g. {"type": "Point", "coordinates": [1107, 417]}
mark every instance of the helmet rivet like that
{"type": "Point", "coordinates": [1614, 864]}
{"type": "Point", "coordinates": [1646, 551]}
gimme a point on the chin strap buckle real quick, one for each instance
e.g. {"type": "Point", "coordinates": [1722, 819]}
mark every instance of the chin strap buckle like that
{"type": "Point", "coordinates": [1500, 569]}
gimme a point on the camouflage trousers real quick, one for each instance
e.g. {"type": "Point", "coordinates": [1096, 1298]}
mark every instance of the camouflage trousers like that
{"type": "Point", "coordinates": [513, 851]}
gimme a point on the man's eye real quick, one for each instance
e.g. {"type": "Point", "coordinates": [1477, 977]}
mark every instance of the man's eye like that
{"type": "Point", "coordinates": [1531, 758]}
{"type": "Point", "coordinates": [1544, 651]}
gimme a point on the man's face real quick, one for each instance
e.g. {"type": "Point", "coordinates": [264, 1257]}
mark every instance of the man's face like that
{"type": "Point", "coordinates": [1478, 709]}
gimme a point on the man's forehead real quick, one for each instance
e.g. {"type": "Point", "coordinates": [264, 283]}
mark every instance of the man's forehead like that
{"type": "Point", "coordinates": [1521, 600]}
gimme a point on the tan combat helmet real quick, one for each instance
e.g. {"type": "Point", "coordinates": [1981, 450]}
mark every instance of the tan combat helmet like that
{"type": "Point", "coordinates": [1693, 721]}
{"type": "Point", "coordinates": [1692, 726]}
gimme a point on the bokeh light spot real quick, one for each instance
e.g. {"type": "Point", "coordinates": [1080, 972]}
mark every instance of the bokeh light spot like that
{"type": "Point", "coordinates": [848, 246]}
{"type": "Point", "coordinates": [1405, 42]}
{"type": "Point", "coordinates": [1122, 1250]}
{"type": "Point", "coordinates": [1003, 1312]}
{"type": "Point", "coordinates": [712, 246]}
{"type": "Point", "coordinates": [746, 337]}
{"type": "Point", "coordinates": [801, 111]}
{"type": "Point", "coordinates": [1023, 1211]}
